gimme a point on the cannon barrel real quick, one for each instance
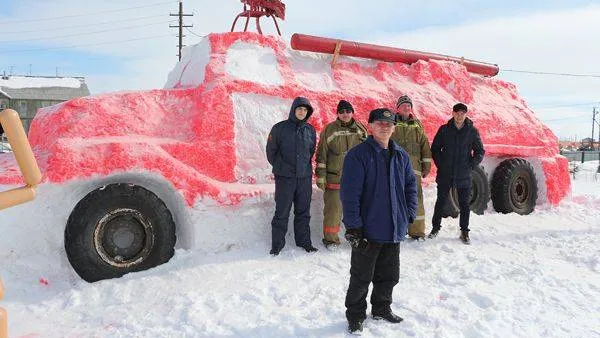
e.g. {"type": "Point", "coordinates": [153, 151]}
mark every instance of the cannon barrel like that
{"type": "Point", "coordinates": [389, 54]}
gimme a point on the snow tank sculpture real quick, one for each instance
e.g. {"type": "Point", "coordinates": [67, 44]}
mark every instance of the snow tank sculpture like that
{"type": "Point", "coordinates": [141, 172]}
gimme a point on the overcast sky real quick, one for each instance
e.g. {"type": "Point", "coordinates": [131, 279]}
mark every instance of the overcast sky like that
{"type": "Point", "coordinates": [127, 45]}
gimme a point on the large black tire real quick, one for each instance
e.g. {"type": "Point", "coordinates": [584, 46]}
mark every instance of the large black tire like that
{"type": "Point", "coordinates": [480, 195]}
{"type": "Point", "coordinates": [514, 187]}
{"type": "Point", "coordinates": [117, 229]}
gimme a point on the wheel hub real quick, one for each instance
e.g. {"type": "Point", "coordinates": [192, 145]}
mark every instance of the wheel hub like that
{"type": "Point", "coordinates": [520, 191]}
{"type": "Point", "coordinates": [123, 237]}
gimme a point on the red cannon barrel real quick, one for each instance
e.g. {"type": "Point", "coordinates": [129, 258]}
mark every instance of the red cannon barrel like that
{"type": "Point", "coordinates": [389, 54]}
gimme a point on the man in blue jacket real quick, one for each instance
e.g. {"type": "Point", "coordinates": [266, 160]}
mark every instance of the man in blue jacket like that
{"type": "Point", "coordinates": [290, 148]}
{"type": "Point", "coordinates": [379, 200]}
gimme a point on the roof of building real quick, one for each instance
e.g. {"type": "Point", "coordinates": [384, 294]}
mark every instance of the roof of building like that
{"type": "Point", "coordinates": [43, 88]}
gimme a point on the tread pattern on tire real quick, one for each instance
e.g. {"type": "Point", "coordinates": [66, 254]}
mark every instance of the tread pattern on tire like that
{"type": "Point", "coordinates": [81, 225]}
{"type": "Point", "coordinates": [503, 175]}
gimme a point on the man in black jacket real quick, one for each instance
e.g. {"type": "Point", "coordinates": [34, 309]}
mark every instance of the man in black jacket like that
{"type": "Point", "coordinates": [456, 150]}
{"type": "Point", "coordinates": [290, 147]}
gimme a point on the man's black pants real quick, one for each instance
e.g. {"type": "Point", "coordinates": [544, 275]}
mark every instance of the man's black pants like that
{"type": "Point", "coordinates": [377, 263]}
{"type": "Point", "coordinates": [464, 200]}
{"type": "Point", "coordinates": [290, 190]}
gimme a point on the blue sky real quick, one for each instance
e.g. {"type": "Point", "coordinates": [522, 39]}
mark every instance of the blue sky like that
{"type": "Point", "coordinates": [77, 38]}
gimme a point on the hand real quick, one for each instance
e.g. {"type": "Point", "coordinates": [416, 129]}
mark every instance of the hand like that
{"type": "Point", "coordinates": [355, 238]}
{"type": "Point", "coordinates": [411, 220]}
{"type": "Point", "coordinates": [424, 173]}
{"type": "Point", "coordinates": [321, 185]}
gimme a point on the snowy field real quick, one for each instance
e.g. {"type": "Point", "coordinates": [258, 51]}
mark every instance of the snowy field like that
{"type": "Point", "coordinates": [523, 276]}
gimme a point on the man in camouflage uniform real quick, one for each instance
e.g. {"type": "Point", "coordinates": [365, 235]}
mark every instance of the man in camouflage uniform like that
{"type": "Point", "coordinates": [335, 141]}
{"type": "Point", "coordinates": [410, 135]}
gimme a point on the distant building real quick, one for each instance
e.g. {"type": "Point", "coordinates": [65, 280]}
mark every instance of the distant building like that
{"type": "Point", "coordinates": [27, 94]}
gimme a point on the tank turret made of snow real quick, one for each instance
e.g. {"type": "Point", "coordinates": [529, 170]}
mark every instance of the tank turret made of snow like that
{"type": "Point", "coordinates": [129, 176]}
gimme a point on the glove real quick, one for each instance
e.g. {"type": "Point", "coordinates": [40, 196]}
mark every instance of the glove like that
{"type": "Point", "coordinates": [411, 220]}
{"type": "Point", "coordinates": [321, 185]}
{"type": "Point", "coordinates": [424, 173]}
{"type": "Point", "coordinates": [355, 238]}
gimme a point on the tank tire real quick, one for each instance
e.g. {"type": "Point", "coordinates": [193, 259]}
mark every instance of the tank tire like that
{"type": "Point", "coordinates": [117, 229]}
{"type": "Point", "coordinates": [451, 208]}
{"type": "Point", "coordinates": [480, 191]}
{"type": "Point", "coordinates": [514, 187]}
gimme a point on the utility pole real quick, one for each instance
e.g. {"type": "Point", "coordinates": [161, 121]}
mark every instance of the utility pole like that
{"type": "Point", "coordinates": [180, 26]}
{"type": "Point", "coordinates": [594, 125]}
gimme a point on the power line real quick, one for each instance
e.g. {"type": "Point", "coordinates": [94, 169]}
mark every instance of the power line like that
{"type": "Point", "coordinates": [549, 73]}
{"type": "Point", "coordinates": [11, 22]}
{"type": "Point", "coordinates": [200, 36]}
{"type": "Point", "coordinates": [566, 118]}
{"type": "Point", "coordinates": [87, 45]}
{"type": "Point", "coordinates": [86, 33]}
{"type": "Point", "coordinates": [569, 105]}
{"type": "Point", "coordinates": [84, 25]}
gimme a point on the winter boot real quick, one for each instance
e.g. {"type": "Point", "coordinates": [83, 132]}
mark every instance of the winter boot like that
{"type": "Point", "coordinates": [388, 316]}
{"type": "Point", "coordinates": [355, 326]}
{"type": "Point", "coordinates": [464, 237]}
{"type": "Point", "coordinates": [418, 238]}
{"type": "Point", "coordinates": [434, 232]}
{"type": "Point", "coordinates": [330, 245]}
{"type": "Point", "coordinates": [309, 248]}
{"type": "Point", "coordinates": [274, 252]}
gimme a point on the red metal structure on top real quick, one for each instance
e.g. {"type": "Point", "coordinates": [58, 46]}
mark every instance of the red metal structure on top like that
{"type": "Point", "coordinates": [258, 8]}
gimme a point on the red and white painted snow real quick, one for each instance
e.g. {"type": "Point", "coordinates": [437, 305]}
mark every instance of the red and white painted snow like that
{"type": "Point", "coordinates": [204, 134]}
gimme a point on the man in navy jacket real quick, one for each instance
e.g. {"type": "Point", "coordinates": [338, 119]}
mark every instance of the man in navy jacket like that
{"type": "Point", "coordinates": [290, 148]}
{"type": "Point", "coordinates": [456, 150]}
{"type": "Point", "coordinates": [379, 199]}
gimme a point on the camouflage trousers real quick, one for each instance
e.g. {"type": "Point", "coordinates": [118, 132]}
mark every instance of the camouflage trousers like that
{"type": "Point", "coordinates": [417, 228]}
{"type": "Point", "coordinates": [332, 215]}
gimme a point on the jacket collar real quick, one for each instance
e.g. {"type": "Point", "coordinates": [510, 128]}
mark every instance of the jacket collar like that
{"type": "Point", "coordinates": [392, 145]}
{"type": "Point", "coordinates": [468, 123]}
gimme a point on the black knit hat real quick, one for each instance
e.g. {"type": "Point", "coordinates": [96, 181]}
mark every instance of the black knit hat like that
{"type": "Point", "coordinates": [343, 104]}
{"type": "Point", "coordinates": [403, 99]}
{"type": "Point", "coordinates": [459, 107]}
{"type": "Point", "coordinates": [382, 114]}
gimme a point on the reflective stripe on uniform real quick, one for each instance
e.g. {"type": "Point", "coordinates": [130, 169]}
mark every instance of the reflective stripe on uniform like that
{"type": "Point", "coordinates": [334, 229]}
{"type": "Point", "coordinates": [333, 186]}
{"type": "Point", "coordinates": [426, 160]}
{"type": "Point", "coordinates": [321, 165]}
{"type": "Point", "coordinates": [417, 172]}
{"type": "Point", "coordinates": [420, 218]}
{"type": "Point", "coordinates": [340, 133]}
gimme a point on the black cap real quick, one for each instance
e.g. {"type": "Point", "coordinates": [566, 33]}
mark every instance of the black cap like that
{"type": "Point", "coordinates": [343, 104]}
{"type": "Point", "coordinates": [382, 114]}
{"type": "Point", "coordinates": [403, 99]}
{"type": "Point", "coordinates": [459, 107]}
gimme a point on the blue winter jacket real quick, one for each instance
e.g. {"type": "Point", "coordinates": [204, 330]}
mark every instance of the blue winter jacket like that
{"type": "Point", "coordinates": [291, 144]}
{"type": "Point", "coordinates": [382, 212]}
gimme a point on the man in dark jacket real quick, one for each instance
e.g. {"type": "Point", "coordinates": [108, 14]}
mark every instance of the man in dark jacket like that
{"type": "Point", "coordinates": [379, 200]}
{"type": "Point", "coordinates": [456, 150]}
{"type": "Point", "coordinates": [290, 147]}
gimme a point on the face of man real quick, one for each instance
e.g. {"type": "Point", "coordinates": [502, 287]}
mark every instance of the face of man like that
{"type": "Point", "coordinates": [459, 117]}
{"type": "Point", "coordinates": [301, 113]}
{"type": "Point", "coordinates": [345, 115]}
{"type": "Point", "coordinates": [382, 131]}
{"type": "Point", "coordinates": [404, 110]}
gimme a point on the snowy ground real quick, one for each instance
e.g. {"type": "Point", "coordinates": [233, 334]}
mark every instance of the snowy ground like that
{"type": "Point", "coordinates": [523, 276]}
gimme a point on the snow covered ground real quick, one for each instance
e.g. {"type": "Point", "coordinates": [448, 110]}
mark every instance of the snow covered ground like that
{"type": "Point", "coordinates": [523, 276]}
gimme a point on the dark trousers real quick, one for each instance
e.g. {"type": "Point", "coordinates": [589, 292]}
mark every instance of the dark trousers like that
{"type": "Point", "coordinates": [377, 263]}
{"type": "Point", "coordinates": [464, 200]}
{"type": "Point", "coordinates": [290, 190]}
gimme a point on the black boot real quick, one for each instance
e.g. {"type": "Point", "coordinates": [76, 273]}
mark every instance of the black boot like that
{"type": "Point", "coordinates": [275, 252]}
{"type": "Point", "coordinates": [355, 326]}
{"type": "Point", "coordinates": [310, 248]}
{"type": "Point", "coordinates": [388, 316]}
{"type": "Point", "coordinates": [434, 232]}
{"type": "Point", "coordinates": [464, 237]}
